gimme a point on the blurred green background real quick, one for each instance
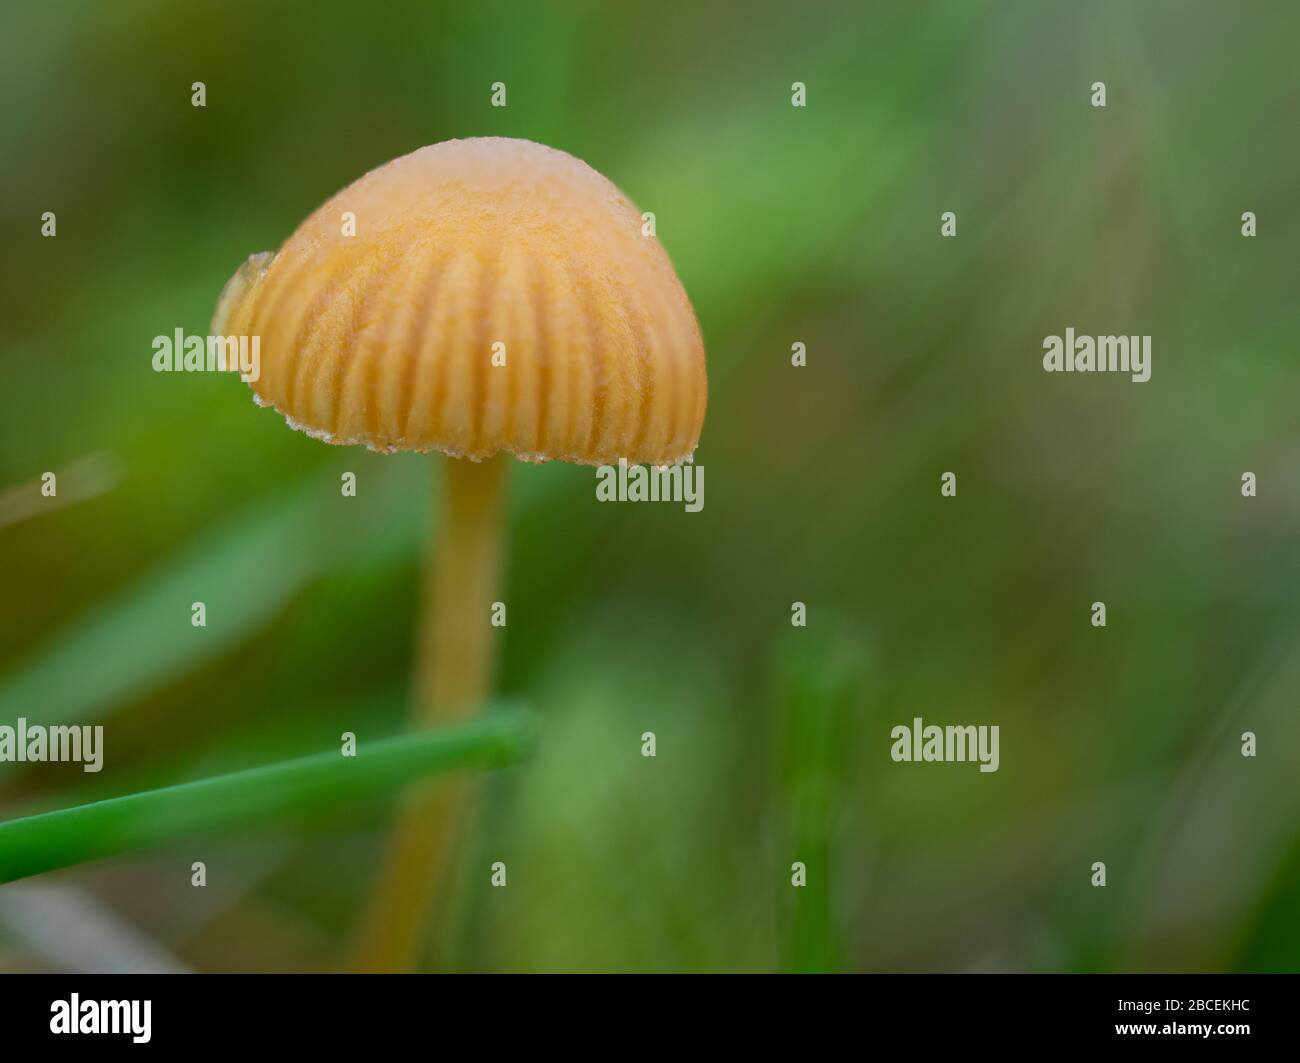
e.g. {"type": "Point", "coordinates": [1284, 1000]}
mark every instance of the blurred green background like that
{"type": "Point", "coordinates": [817, 225]}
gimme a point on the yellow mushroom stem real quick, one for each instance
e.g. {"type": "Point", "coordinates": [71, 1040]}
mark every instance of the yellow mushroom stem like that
{"type": "Point", "coordinates": [453, 679]}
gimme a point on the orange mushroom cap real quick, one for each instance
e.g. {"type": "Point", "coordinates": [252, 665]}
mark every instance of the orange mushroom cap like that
{"type": "Point", "coordinates": [387, 337]}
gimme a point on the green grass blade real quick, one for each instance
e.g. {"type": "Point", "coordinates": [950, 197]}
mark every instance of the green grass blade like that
{"type": "Point", "coordinates": [141, 638]}
{"type": "Point", "coordinates": [819, 686]}
{"type": "Point", "coordinates": [36, 844]}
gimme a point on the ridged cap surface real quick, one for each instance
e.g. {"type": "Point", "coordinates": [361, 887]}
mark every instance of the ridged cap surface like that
{"type": "Point", "coordinates": [386, 337]}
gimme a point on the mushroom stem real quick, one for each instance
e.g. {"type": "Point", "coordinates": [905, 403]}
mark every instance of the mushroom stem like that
{"type": "Point", "coordinates": [452, 680]}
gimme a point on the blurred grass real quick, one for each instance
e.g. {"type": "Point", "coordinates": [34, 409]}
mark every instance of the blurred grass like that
{"type": "Point", "coordinates": [820, 684]}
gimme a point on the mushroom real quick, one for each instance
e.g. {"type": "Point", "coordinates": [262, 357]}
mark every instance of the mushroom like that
{"type": "Point", "coordinates": [481, 298]}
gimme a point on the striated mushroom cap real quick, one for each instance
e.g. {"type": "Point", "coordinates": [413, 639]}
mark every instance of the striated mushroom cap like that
{"type": "Point", "coordinates": [387, 337]}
